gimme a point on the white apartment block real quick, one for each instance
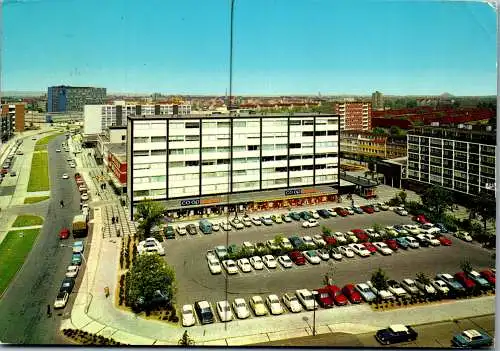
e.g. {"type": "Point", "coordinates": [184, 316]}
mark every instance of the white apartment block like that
{"type": "Point", "coordinates": [188, 157]}
{"type": "Point", "coordinates": [97, 118]}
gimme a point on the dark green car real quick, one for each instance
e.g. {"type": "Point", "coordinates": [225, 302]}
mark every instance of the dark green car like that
{"type": "Point", "coordinates": [294, 216]}
{"type": "Point", "coordinates": [472, 338]}
{"type": "Point", "coordinates": [169, 232]}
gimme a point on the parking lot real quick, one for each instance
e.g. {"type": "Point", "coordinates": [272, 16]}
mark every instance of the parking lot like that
{"type": "Point", "coordinates": [187, 255]}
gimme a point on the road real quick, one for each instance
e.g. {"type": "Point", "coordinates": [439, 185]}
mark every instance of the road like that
{"type": "Point", "coordinates": [435, 335]}
{"type": "Point", "coordinates": [23, 307]}
{"type": "Point", "coordinates": [187, 256]}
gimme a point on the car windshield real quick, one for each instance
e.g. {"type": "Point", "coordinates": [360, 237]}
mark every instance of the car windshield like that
{"type": "Point", "coordinates": [240, 305]}
{"type": "Point", "coordinates": [324, 295]}
{"type": "Point", "coordinates": [292, 298]}
{"type": "Point", "coordinates": [273, 300]}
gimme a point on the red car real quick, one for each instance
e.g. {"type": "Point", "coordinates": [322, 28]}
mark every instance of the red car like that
{"type": "Point", "coordinates": [337, 295]}
{"type": "Point", "coordinates": [393, 245]}
{"type": "Point", "coordinates": [297, 258]}
{"type": "Point", "coordinates": [351, 293]}
{"type": "Point", "coordinates": [420, 219]}
{"type": "Point", "coordinates": [370, 247]}
{"type": "Point", "coordinates": [367, 209]}
{"type": "Point", "coordinates": [489, 276]}
{"type": "Point", "coordinates": [444, 241]}
{"type": "Point", "coordinates": [324, 299]}
{"type": "Point", "coordinates": [360, 234]}
{"type": "Point", "coordinates": [329, 240]}
{"type": "Point", "coordinates": [463, 279]}
{"type": "Point", "coordinates": [64, 233]}
{"type": "Point", "coordinates": [341, 212]}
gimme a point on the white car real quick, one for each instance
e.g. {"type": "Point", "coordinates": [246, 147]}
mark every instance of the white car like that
{"type": "Point", "coordinates": [248, 246]}
{"type": "Point", "coordinates": [258, 306]}
{"type": "Point", "coordinates": [308, 241]}
{"type": "Point", "coordinates": [150, 246]}
{"type": "Point", "coordinates": [324, 255]}
{"type": "Point", "coordinates": [412, 229]}
{"type": "Point", "coordinates": [236, 223]}
{"type": "Point", "coordinates": [256, 221]}
{"type": "Point", "coordinates": [292, 303]}
{"type": "Point", "coordinates": [65, 176]}
{"type": "Point", "coordinates": [188, 318]}
{"type": "Point", "coordinates": [274, 305]}
{"type": "Point", "coordinates": [384, 294]}
{"type": "Point", "coordinates": [286, 218]}
{"type": "Point", "coordinates": [84, 197]}
{"type": "Point", "coordinates": [244, 265]}
{"type": "Point", "coordinates": [246, 221]}
{"type": "Point", "coordinates": [224, 311]}
{"type": "Point", "coordinates": [429, 289]}
{"type": "Point", "coordinates": [272, 245]}
{"type": "Point", "coordinates": [383, 248]}
{"type": "Point", "coordinates": [269, 261]}
{"type": "Point", "coordinates": [429, 228]}
{"type": "Point", "coordinates": [383, 206]}
{"type": "Point", "coordinates": [463, 235]}
{"type": "Point", "coordinates": [266, 220]}
{"type": "Point", "coordinates": [311, 222]}
{"type": "Point", "coordinates": [225, 226]}
{"type": "Point", "coordinates": [306, 298]}
{"type": "Point", "coordinates": [286, 244]}
{"type": "Point", "coordinates": [332, 212]}
{"type": "Point", "coordinates": [440, 286]}
{"type": "Point", "coordinates": [391, 231]}
{"type": "Point", "coordinates": [396, 289]}
{"type": "Point", "coordinates": [72, 271]}
{"type": "Point", "coordinates": [346, 251]}
{"type": "Point", "coordinates": [411, 286]}
{"type": "Point", "coordinates": [221, 252]}
{"type": "Point", "coordinates": [78, 246]}
{"type": "Point", "coordinates": [82, 188]}
{"type": "Point", "coordinates": [214, 266]}
{"type": "Point", "coordinates": [61, 300]}
{"type": "Point", "coordinates": [412, 242]}
{"type": "Point", "coordinates": [314, 213]}
{"type": "Point", "coordinates": [256, 262]}
{"type": "Point", "coordinates": [211, 255]}
{"type": "Point", "coordinates": [277, 218]}
{"type": "Point", "coordinates": [360, 249]}
{"type": "Point", "coordinates": [215, 227]}
{"type": "Point", "coordinates": [372, 233]}
{"type": "Point", "coordinates": [72, 165]}
{"type": "Point", "coordinates": [432, 240]}
{"type": "Point", "coordinates": [230, 266]}
{"type": "Point", "coordinates": [311, 256]}
{"type": "Point", "coordinates": [340, 237]}
{"type": "Point", "coordinates": [181, 229]}
{"type": "Point", "coordinates": [349, 210]}
{"type": "Point", "coordinates": [57, 150]}
{"type": "Point", "coordinates": [285, 261]}
{"type": "Point", "coordinates": [240, 308]}
{"type": "Point", "coordinates": [352, 237]}
{"type": "Point", "coordinates": [318, 240]}
{"type": "Point", "coordinates": [401, 211]}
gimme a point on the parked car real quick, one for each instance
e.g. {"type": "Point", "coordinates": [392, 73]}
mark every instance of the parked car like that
{"type": "Point", "coordinates": [357, 209]}
{"type": "Point", "coordinates": [311, 222]}
{"type": "Point", "coordinates": [237, 224]}
{"type": "Point", "coordinates": [410, 286]}
{"type": "Point", "coordinates": [396, 333]}
{"type": "Point", "coordinates": [383, 294]}
{"type": "Point", "coordinates": [340, 237]}
{"type": "Point", "coordinates": [306, 298]}
{"type": "Point", "coordinates": [329, 240]}
{"type": "Point", "coordinates": [244, 265]}
{"type": "Point", "coordinates": [64, 233]}
{"type": "Point", "coordinates": [337, 295]}
{"type": "Point", "coordinates": [372, 233]}
{"type": "Point", "coordinates": [312, 256]}
{"type": "Point", "coordinates": [442, 227]}
{"type": "Point", "coordinates": [72, 271]}
{"type": "Point", "coordinates": [256, 220]}
{"type": "Point", "coordinates": [258, 306]}
{"type": "Point", "coordinates": [191, 229]}
{"type": "Point", "coordinates": [314, 214]}
{"type": "Point", "coordinates": [382, 248]}
{"type": "Point", "coordinates": [277, 218]}
{"type": "Point", "coordinates": [375, 207]}
{"type": "Point", "coordinates": [204, 312]}
{"type": "Point", "coordinates": [431, 239]}
{"type": "Point", "coordinates": [240, 308]}
{"type": "Point", "coordinates": [272, 245]}
{"type": "Point", "coordinates": [454, 285]}
{"type": "Point", "coordinates": [308, 241]}
{"type": "Point", "coordinates": [412, 242]}
{"type": "Point", "coordinates": [412, 229]}
{"type": "Point", "coordinates": [360, 250]}
{"type": "Point", "coordinates": [286, 218]}
{"type": "Point", "coordinates": [391, 231]}
{"type": "Point", "coordinates": [401, 211]}
{"type": "Point", "coordinates": [391, 244]}
{"type": "Point", "coordinates": [274, 304]}
{"type": "Point", "coordinates": [472, 338]}
{"type": "Point", "coordinates": [383, 207]}
{"type": "Point", "coordinates": [367, 209]}
{"type": "Point", "coordinates": [366, 292]}
{"type": "Point", "coordinates": [247, 222]}
{"type": "Point", "coordinates": [286, 244]}
{"type": "Point", "coordinates": [61, 300]}
{"type": "Point", "coordinates": [214, 266]}
{"type": "Point", "coordinates": [489, 276]}
{"type": "Point", "coordinates": [230, 266]}
{"type": "Point", "coordinates": [221, 252]}
{"type": "Point", "coordinates": [266, 220]}
{"type": "Point", "coordinates": [341, 211]}
{"type": "Point", "coordinates": [332, 212]}
{"type": "Point", "coordinates": [256, 262]}
{"type": "Point", "coordinates": [296, 241]}
{"type": "Point", "coordinates": [76, 259]}
{"type": "Point", "coordinates": [360, 234]}
{"type": "Point", "coordinates": [295, 216]}
{"type": "Point", "coordinates": [420, 219]}
{"type": "Point", "coordinates": [346, 251]}
{"type": "Point", "coordinates": [269, 261]}
{"type": "Point", "coordinates": [401, 230]}
{"type": "Point", "coordinates": [318, 240]}
{"type": "Point", "coordinates": [188, 318]}
{"type": "Point", "coordinates": [305, 215]}
{"type": "Point", "coordinates": [297, 257]}
{"type": "Point", "coordinates": [292, 303]}
{"type": "Point", "coordinates": [226, 226]}
{"type": "Point", "coordinates": [334, 253]}
{"type": "Point", "coordinates": [224, 311]}
{"type": "Point", "coordinates": [463, 235]}
{"type": "Point", "coordinates": [181, 229]}
{"type": "Point", "coordinates": [324, 298]}
{"type": "Point", "coordinates": [351, 293]}
{"type": "Point", "coordinates": [169, 232]}
{"type": "Point", "coordinates": [395, 288]}
{"type": "Point", "coordinates": [440, 286]}
{"type": "Point", "coordinates": [324, 213]}
{"type": "Point", "coordinates": [150, 246]}
{"type": "Point", "coordinates": [422, 240]}
{"type": "Point", "coordinates": [444, 240]}
{"type": "Point", "coordinates": [285, 261]}
{"type": "Point", "coordinates": [478, 279]}
{"type": "Point", "coordinates": [427, 289]}
{"type": "Point", "coordinates": [370, 247]}
{"type": "Point", "coordinates": [429, 228]}
{"type": "Point", "coordinates": [67, 285]}
{"type": "Point", "coordinates": [349, 210]}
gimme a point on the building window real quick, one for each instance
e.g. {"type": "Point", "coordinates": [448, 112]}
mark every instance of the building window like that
{"type": "Point", "coordinates": [141, 153]}
{"type": "Point", "coordinates": [253, 147]}
{"type": "Point", "coordinates": [139, 140]}
{"type": "Point", "coordinates": [158, 139]}
{"type": "Point", "coordinates": [176, 138]}
{"type": "Point", "coordinates": [192, 163]}
{"type": "Point", "coordinates": [176, 164]}
{"type": "Point", "coordinates": [158, 152]}
{"type": "Point", "coordinates": [139, 193]}
{"type": "Point", "coordinates": [192, 125]}
{"type": "Point", "coordinates": [176, 152]}
{"type": "Point", "coordinates": [192, 138]}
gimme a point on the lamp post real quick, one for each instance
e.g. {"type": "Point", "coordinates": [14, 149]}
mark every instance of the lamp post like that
{"type": "Point", "coordinates": [315, 293]}
{"type": "Point", "coordinates": [87, 278]}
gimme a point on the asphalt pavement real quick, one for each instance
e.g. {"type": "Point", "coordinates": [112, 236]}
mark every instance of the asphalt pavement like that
{"type": "Point", "coordinates": [23, 306]}
{"type": "Point", "coordinates": [187, 256]}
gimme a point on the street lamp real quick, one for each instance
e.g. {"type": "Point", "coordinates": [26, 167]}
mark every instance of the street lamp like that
{"type": "Point", "coordinates": [315, 293]}
{"type": "Point", "coordinates": [87, 278]}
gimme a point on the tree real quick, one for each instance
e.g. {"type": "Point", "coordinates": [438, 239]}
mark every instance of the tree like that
{"type": "Point", "coordinates": [438, 200]}
{"type": "Point", "coordinates": [424, 278]}
{"type": "Point", "coordinates": [377, 227]}
{"type": "Point", "coordinates": [395, 131]}
{"type": "Point", "coordinates": [151, 282]}
{"type": "Point", "coordinates": [278, 239]}
{"type": "Point", "coordinates": [379, 280]}
{"type": "Point", "coordinates": [403, 195]}
{"type": "Point", "coordinates": [484, 208]}
{"type": "Point", "coordinates": [379, 131]}
{"type": "Point", "coordinates": [186, 340]}
{"type": "Point", "coordinates": [465, 265]}
{"type": "Point", "coordinates": [149, 213]}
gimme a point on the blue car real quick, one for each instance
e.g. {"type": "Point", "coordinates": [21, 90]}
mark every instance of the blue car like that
{"type": "Point", "coordinates": [296, 241]}
{"type": "Point", "coordinates": [472, 338]}
{"type": "Point", "coordinates": [441, 227]}
{"type": "Point", "coordinates": [403, 243]}
{"type": "Point", "coordinates": [478, 279]}
{"type": "Point", "coordinates": [76, 259]}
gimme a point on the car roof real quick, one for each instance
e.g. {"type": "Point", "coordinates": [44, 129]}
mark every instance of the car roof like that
{"type": "Point", "coordinates": [203, 304]}
{"type": "Point", "coordinates": [397, 328]}
{"type": "Point", "coordinates": [223, 303]}
{"type": "Point", "coordinates": [239, 299]}
{"type": "Point", "coordinates": [471, 333]}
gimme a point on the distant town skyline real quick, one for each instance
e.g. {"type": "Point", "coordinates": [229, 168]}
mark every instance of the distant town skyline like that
{"type": "Point", "coordinates": [285, 47]}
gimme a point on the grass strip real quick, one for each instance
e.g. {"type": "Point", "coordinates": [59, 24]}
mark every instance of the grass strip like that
{"type": "Point", "coordinates": [39, 176]}
{"type": "Point", "coordinates": [27, 220]}
{"type": "Point", "coordinates": [35, 199]}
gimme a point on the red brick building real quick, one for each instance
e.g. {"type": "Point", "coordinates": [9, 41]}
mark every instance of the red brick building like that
{"type": "Point", "coordinates": [354, 115]}
{"type": "Point", "coordinates": [117, 164]}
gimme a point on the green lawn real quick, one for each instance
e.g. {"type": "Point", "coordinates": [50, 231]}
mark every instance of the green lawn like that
{"type": "Point", "coordinates": [13, 251]}
{"type": "Point", "coordinates": [27, 220]}
{"type": "Point", "coordinates": [35, 199]}
{"type": "Point", "coordinates": [39, 176]}
{"type": "Point", "coordinates": [42, 143]}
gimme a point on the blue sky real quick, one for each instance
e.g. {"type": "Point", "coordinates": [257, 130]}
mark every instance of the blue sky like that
{"type": "Point", "coordinates": [281, 46]}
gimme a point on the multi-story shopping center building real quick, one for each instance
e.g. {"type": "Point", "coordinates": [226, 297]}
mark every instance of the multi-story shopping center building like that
{"type": "Point", "coordinates": [199, 164]}
{"type": "Point", "coordinates": [459, 158]}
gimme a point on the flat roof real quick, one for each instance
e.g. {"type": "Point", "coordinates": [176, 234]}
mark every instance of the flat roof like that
{"type": "Point", "coordinates": [364, 182]}
{"type": "Point", "coordinates": [229, 116]}
{"type": "Point", "coordinates": [402, 161]}
{"type": "Point", "coordinates": [117, 149]}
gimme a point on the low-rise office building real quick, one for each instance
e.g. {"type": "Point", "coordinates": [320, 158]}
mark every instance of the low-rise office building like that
{"type": "Point", "coordinates": [459, 158]}
{"type": "Point", "coordinates": [201, 164]}
{"type": "Point", "coordinates": [12, 120]}
{"type": "Point", "coordinates": [361, 145]}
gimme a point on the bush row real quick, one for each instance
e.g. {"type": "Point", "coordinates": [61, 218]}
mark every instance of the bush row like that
{"type": "Point", "coordinates": [87, 338]}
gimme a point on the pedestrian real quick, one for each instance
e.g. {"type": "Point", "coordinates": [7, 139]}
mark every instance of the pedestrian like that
{"type": "Point", "coordinates": [48, 311]}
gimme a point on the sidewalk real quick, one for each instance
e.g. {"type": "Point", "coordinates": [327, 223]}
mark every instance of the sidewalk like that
{"type": "Point", "coordinates": [95, 313]}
